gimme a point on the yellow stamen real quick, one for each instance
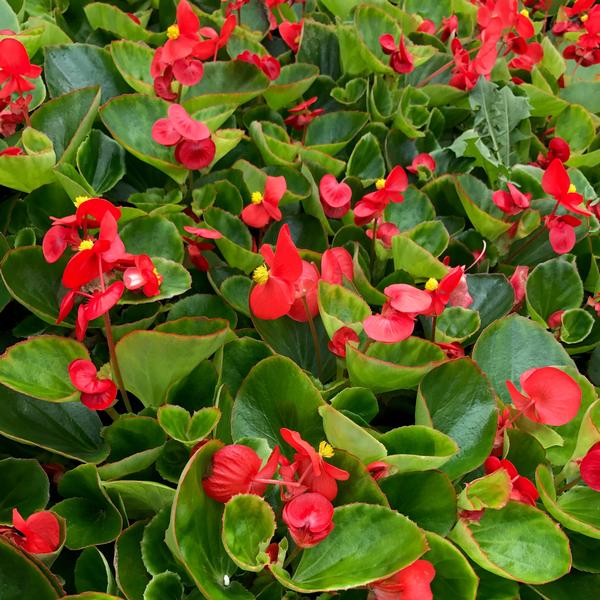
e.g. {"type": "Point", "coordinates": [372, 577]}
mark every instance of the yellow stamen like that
{"type": "Point", "coordinates": [572, 189]}
{"type": "Point", "coordinates": [432, 285]}
{"type": "Point", "coordinates": [325, 450]}
{"type": "Point", "coordinates": [584, 18]}
{"type": "Point", "coordinates": [159, 277]}
{"type": "Point", "coordinates": [380, 184]}
{"type": "Point", "coordinates": [173, 32]}
{"type": "Point", "coordinates": [261, 275]}
{"type": "Point", "coordinates": [525, 13]}
{"type": "Point", "coordinates": [256, 198]}
{"type": "Point", "coordinates": [80, 200]}
{"type": "Point", "coordinates": [86, 245]}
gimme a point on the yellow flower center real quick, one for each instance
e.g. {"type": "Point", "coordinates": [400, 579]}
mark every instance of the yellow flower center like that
{"type": "Point", "coordinates": [525, 12]}
{"type": "Point", "coordinates": [80, 200]}
{"type": "Point", "coordinates": [256, 198]}
{"type": "Point", "coordinates": [86, 245]}
{"type": "Point", "coordinates": [584, 18]}
{"type": "Point", "coordinates": [432, 285]}
{"type": "Point", "coordinates": [173, 32]}
{"type": "Point", "coordinates": [325, 450]}
{"type": "Point", "coordinates": [261, 275]}
{"type": "Point", "coordinates": [572, 189]}
{"type": "Point", "coordinates": [159, 277]}
{"type": "Point", "coordinates": [380, 184]}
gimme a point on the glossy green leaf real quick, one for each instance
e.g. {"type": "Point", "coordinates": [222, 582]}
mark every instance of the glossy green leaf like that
{"type": "Point", "coordinates": [416, 260]}
{"type": "Point", "coordinates": [490, 491]}
{"type": "Point", "coordinates": [133, 62]}
{"type": "Point", "coordinates": [101, 161]}
{"type": "Point", "coordinates": [575, 325]}
{"type": "Point", "coordinates": [139, 499]}
{"type": "Point", "coordinates": [331, 132]}
{"type": "Point", "coordinates": [153, 235]}
{"type": "Point", "coordinates": [132, 576]}
{"type": "Point", "coordinates": [164, 585]}
{"type": "Point", "coordinates": [456, 324]}
{"type": "Point", "coordinates": [25, 487]}
{"type": "Point", "coordinates": [366, 161]}
{"type": "Point", "coordinates": [293, 81]}
{"type": "Point", "coordinates": [112, 19]}
{"type": "Point", "coordinates": [339, 307]}
{"type": "Point", "coordinates": [186, 428]}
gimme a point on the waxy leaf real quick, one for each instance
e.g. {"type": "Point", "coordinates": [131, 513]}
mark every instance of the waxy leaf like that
{"type": "Point", "coordinates": [339, 307]}
{"type": "Point", "coordinates": [25, 487]}
{"type": "Point", "coordinates": [133, 62]}
{"type": "Point", "coordinates": [101, 161]}
{"type": "Point", "coordinates": [132, 576]}
{"type": "Point", "coordinates": [293, 81]}
{"type": "Point", "coordinates": [164, 585]}
{"type": "Point", "coordinates": [186, 428]}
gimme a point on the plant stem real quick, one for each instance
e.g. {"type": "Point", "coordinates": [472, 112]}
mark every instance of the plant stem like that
{"type": "Point", "coordinates": [433, 326]}
{"type": "Point", "coordinates": [112, 413]}
{"type": "Point", "coordinates": [293, 554]}
{"type": "Point", "coordinates": [372, 251]}
{"type": "Point", "coordinates": [568, 486]}
{"type": "Point", "coordinates": [315, 337]}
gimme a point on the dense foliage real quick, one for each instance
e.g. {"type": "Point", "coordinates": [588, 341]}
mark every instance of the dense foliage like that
{"type": "Point", "coordinates": [299, 299]}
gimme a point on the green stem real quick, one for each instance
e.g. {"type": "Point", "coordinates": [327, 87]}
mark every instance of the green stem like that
{"type": "Point", "coordinates": [433, 327]}
{"type": "Point", "coordinates": [293, 554]}
{"type": "Point", "coordinates": [372, 251]}
{"type": "Point", "coordinates": [569, 485]}
{"type": "Point", "coordinates": [112, 413]}
{"type": "Point", "coordinates": [315, 338]}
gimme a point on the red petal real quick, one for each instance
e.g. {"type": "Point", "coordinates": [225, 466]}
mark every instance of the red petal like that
{"type": "Point", "coordinates": [55, 243]}
{"type": "Point", "coordinates": [562, 237]}
{"type": "Point", "coordinates": [271, 300]}
{"type": "Point", "coordinates": [187, 20]}
{"type": "Point", "coordinates": [590, 467]}
{"type": "Point", "coordinates": [334, 194]}
{"type": "Point", "coordinates": [408, 299]}
{"type": "Point", "coordinates": [81, 269]}
{"type": "Point", "coordinates": [195, 155]}
{"type": "Point", "coordinates": [101, 400]}
{"type": "Point", "coordinates": [255, 215]}
{"type": "Point", "coordinates": [387, 328]}
{"type": "Point", "coordinates": [336, 263]}
{"type": "Point", "coordinates": [102, 302]}
{"type": "Point", "coordinates": [275, 188]}
{"type": "Point", "coordinates": [164, 133]}
{"type": "Point", "coordinates": [188, 71]}
{"type": "Point", "coordinates": [13, 57]}
{"type": "Point", "coordinates": [387, 42]}
{"type": "Point", "coordinates": [555, 180]}
{"type": "Point", "coordinates": [41, 531]}
{"type": "Point", "coordinates": [84, 375]}
{"type": "Point", "coordinates": [210, 234]}
{"type": "Point", "coordinates": [185, 126]}
{"type": "Point", "coordinates": [287, 263]}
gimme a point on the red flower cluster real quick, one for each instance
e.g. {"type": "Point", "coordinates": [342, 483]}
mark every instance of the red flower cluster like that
{"type": "Point", "coordinates": [308, 483]}
{"type": "Point", "coordinates": [96, 393]}
{"type": "Point", "coordinates": [97, 257]}
{"type": "Point", "coordinates": [586, 50]}
{"type": "Point", "coordinates": [372, 205]}
{"type": "Point", "coordinates": [401, 60]}
{"type": "Point", "coordinates": [301, 115]}
{"type": "Point", "coordinates": [268, 64]}
{"type": "Point", "coordinates": [405, 302]}
{"type": "Point", "coordinates": [38, 534]}
{"type": "Point", "coordinates": [522, 489]}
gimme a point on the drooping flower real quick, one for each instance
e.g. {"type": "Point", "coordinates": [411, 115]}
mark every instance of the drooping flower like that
{"type": "Point", "coordinates": [144, 275]}
{"type": "Point", "coordinates": [301, 115]}
{"type": "Point", "coordinates": [557, 183]}
{"type": "Point", "coordinates": [378, 469]}
{"type": "Point", "coordinates": [343, 336]}
{"type": "Point", "coordinates": [335, 197]}
{"type": "Point", "coordinates": [549, 396]}
{"type": "Point", "coordinates": [98, 304]}
{"type": "Point", "coordinates": [385, 232]}
{"type": "Point", "coordinates": [336, 263]}
{"type": "Point", "coordinates": [449, 27]}
{"type": "Point", "coordinates": [274, 292]}
{"type": "Point", "coordinates": [237, 469]}
{"type": "Point", "coordinates": [401, 60]}
{"type": "Point", "coordinates": [590, 467]}
{"type": "Point", "coordinates": [557, 148]}
{"type": "Point", "coordinates": [309, 518]}
{"type": "Point", "coordinates": [387, 190]}
{"type": "Point", "coordinates": [264, 206]}
{"type": "Point", "coordinates": [561, 231]}
{"type": "Point", "coordinates": [422, 163]}
{"type": "Point", "coordinates": [291, 34]}
{"type": "Point", "coordinates": [96, 394]}
{"type": "Point", "coordinates": [427, 26]}
{"type": "Point", "coordinates": [513, 201]}
{"type": "Point", "coordinates": [411, 583]}
{"type": "Point", "coordinates": [196, 248]}
{"type": "Point", "coordinates": [305, 294]}
{"type": "Point", "coordinates": [15, 68]}
{"type": "Point", "coordinates": [518, 281]}
{"type": "Point", "coordinates": [214, 41]}
{"type": "Point", "coordinates": [268, 64]}
{"type": "Point", "coordinates": [523, 490]}
{"type": "Point", "coordinates": [310, 466]}
{"type": "Point", "coordinates": [38, 534]}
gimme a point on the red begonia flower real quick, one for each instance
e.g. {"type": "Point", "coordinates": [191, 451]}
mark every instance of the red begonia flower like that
{"type": "Point", "coordinates": [522, 490]}
{"type": "Point", "coordinates": [99, 303]}
{"type": "Point", "coordinates": [555, 319]}
{"type": "Point", "coordinates": [268, 64]}
{"type": "Point", "coordinates": [237, 469]}
{"type": "Point", "coordinates": [264, 206]}
{"type": "Point", "coordinates": [11, 151]}
{"type": "Point", "coordinates": [562, 232]}
{"type": "Point", "coordinates": [183, 35]}
{"type": "Point", "coordinates": [96, 394]}
{"type": "Point", "coordinates": [385, 232]}
{"type": "Point", "coordinates": [309, 518]}
{"type": "Point", "coordinates": [557, 183]}
{"type": "Point", "coordinates": [532, 55]}
{"type": "Point", "coordinates": [291, 34]}
{"type": "Point", "coordinates": [336, 263]}
{"type": "Point", "coordinates": [335, 197]}
{"type": "Point", "coordinates": [518, 281]}
{"type": "Point", "coordinates": [388, 190]}
{"type": "Point", "coordinates": [312, 469]}
{"type": "Point", "coordinates": [209, 47]}
{"type": "Point", "coordinates": [337, 344]}
{"type": "Point", "coordinates": [401, 60]}
{"type": "Point", "coordinates": [178, 126]}
{"type": "Point", "coordinates": [305, 290]}
{"type": "Point", "coordinates": [274, 294]}
{"type": "Point", "coordinates": [427, 26]}
{"type": "Point", "coordinates": [449, 26]}
{"type": "Point", "coordinates": [38, 534]}
{"type": "Point", "coordinates": [301, 115]}
{"type": "Point", "coordinates": [143, 275]}
{"type": "Point", "coordinates": [378, 469]}
{"type": "Point", "coordinates": [549, 396]}
{"type": "Point", "coordinates": [411, 583]}
{"type": "Point", "coordinates": [422, 160]}
{"type": "Point", "coordinates": [15, 67]}
{"type": "Point", "coordinates": [511, 202]}
{"type": "Point", "coordinates": [195, 155]}
{"type": "Point", "coordinates": [451, 350]}
{"type": "Point", "coordinates": [590, 467]}
{"type": "Point", "coordinates": [441, 292]}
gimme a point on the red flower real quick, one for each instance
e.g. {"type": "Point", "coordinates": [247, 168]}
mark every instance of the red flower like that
{"type": "Point", "coordinates": [195, 248]}
{"type": "Point", "coordinates": [378, 469]}
{"type": "Point", "coordinates": [11, 151]}
{"type": "Point", "coordinates": [452, 350]}
{"type": "Point", "coordinates": [522, 490]}
{"type": "Point", "coordinates": [96, 394]}
{"type": "Point", "coordinates": [426, 163]}
{"type": "Point", "coordinates": [265, 207]}
{"type": "Point", "coordinates": [411, 583]}
{"type": "Point", "coordinates": [99, 303]}
{"type": "Point", "coordinates": [335, 197]}
{"type": "Point", "coordinates": [143, 275]}
{"type": "Point", "coordinates": [385, 232]}
{"type": "Point", "coordinates": [557, 183]}
{"type": "Point", "coordinates": [518, 280]}
{"type": "Point", "coordinates": [183, 35]}
{"type": "Point", "coordinates": [590, 467]}
{"type": "Point", "coordinates": [309, 518]}
{"type": "Point", "coordinates": [550, 396]}
{"type": "Point", "coordinates": [14, 67]}
{"type": "Point", "coordinates": [427, 26]}
{"type": "Point", "coordinates": [562, 232]}
{"type": "Point", "coordinates": [511, 202]}
{"type": "Point", "coordinates": [301, 115]}
{"type": "Point", "coordinates": [557, 148]}
{"type": "Point", "coordinates": [210, 47]}
{"type": "Point", "coordinates": [388, 190]}
{"type": "Point", "coordinates": [401, 60]}
{"type": "Point", "coordinates": [305, 290]}
{"type": "Point", "coordinates": [236, 469]}
{"type": "Point", "coordinates": [38, 534]}
{"type": "Point", "coordinates": [528, 58]}
{"type": "Point", "coordinates": [274, 292]}
{"type": "Point", "coordinates": [316, 474]}
{"type": "Point", "coordinates": [336, 263]}
{"type": "Point", "coordinates": [268, 64]}
{"type": "Point", "coordinates": [291, 34]}
{"type": "Point", "coordinates": [449, 26]}
{"type": "Point", "coordinates": [442, 292]}
{"type": "Point", "coordinates": [340, 338]}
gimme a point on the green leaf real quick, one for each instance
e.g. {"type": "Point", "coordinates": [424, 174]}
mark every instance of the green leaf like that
{"type": "Point", "coordinates": [248, 526]}
{"type": "Point", "coordinates": [24, 486]}
{"type": "Point", "coordinates": [491, 491]}
{"type": "Point", "coordinates": [197, 542]}
{"type": "Point", "coordinates": [293, 81]}
{"type": "Point", "coordinates": [366, 161]}
{"type": "Point", "coordinates": [67, 120]}
{"type": "Point", "coordinates": [131, 573]}
{"type": "Point", "coordinates": [38, 367]}
{"type": "Point", "coordinates": [186, 428]}
{"type": "Point", "coordinates": [575, 125]}
{"type": "Point", "coordinates": [8, 18]}
{"type": "Point", "coordinates": [187, 342]}
{"type": "Point", "coordinates": [344, 433]}
{"type": "Point", "coordinates": [331, 132]}
{"type": "Point", "coordinates": [368, 543]}
{"type": "Point", "coordinates": [409, 256]}
{"type": "Point", "coordinates": [502, 542]}
{"type": "Point", "coordinates": [92, 572]}
{"type": "Point", "coordinates": [69, 67]}
{"type": "Point", "coordinates": [319, 46]}
{"type": "Point", "coordinates": [155, 236]}
{"type": "Point", "coordinates": [339, 307]}
{"type": "Point", "coordinates": [416, 208]}
{"type": "Point", "coordinates": [164, 585]}
{"type": "Point", "coordinates": [112, 19]}
{"type": "Point", "coordinates": [575, 325]}
{"type": "Point", "coordinates": [492, 294]}
{"type": "Point", "coordinates": [140, 499]}
{"type": "Point", "coordinates": [511, 346]}
{"type": "Point", "coordinates": [417, 448]}
{"type": "Point", "coordinates": [389, 367]}
{"type": "Point", "coordinates": [69, 429]}
{"type": "Point", "coordinates": [133, 61]}
{"type": "Point", "coordinates": [456, 398]}
{"type": "Point", "coordinates": [456, 324]}
{"type": "Point", "coordinates": [101, 161]}
{"type": "Point", "coordinates": [358, 401]}
{"type": "Point", "coordinates": [275, 394]}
